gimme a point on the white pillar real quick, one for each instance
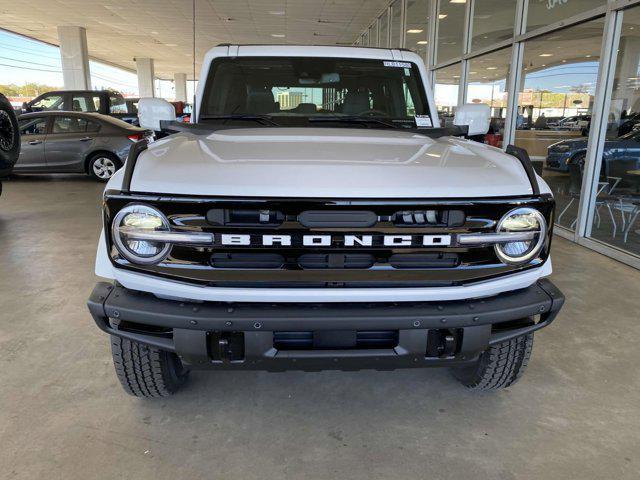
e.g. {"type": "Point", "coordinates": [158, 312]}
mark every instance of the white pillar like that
{"type": "Point", "coordinates": [180, 84]}
{"type": "Point", "coordinates": [75, 58]}
{"type": "Point", "coordinates": [144, 66]}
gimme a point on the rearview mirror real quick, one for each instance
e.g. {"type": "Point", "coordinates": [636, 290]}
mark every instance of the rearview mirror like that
{"type": "Point", "coordinates": [152, 110]}
{"type": "Point", "coordinates": [477, 116]}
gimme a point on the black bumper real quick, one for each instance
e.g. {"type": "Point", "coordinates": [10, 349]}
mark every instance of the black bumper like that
{"type": "Point", "coordinates": [243, 335]}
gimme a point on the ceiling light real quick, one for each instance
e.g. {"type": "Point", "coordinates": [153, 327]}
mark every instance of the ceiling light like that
{"type": "Point", "coordinates": [415, 30]}
{"type": "Point", "coordinates": [457, 1]}
{"type": "Point", "coordinates": [546, 55]}
{"type": "Point", "coordinates": [422, 42]}
{"type": "Point", "coordinates": [278, 35]}
{"type": "Point", "coordinates": [492, 68]}
{"type": "Point", "coordinates": [171, 44]}
{"type": "Point", "coordinates": [588, 56]}
{"type": "Point", "coordinates": [153, 32]}
{"type": "Point", "coordinates": [442, 16]}
{"type": "Point", "coordinates": [276, 12]}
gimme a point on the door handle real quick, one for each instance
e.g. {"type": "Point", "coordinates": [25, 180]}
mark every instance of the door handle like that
{"type": "Point", "coordinates": [35, 142]}
{"type": "Point", "coordinates": [86, 139]}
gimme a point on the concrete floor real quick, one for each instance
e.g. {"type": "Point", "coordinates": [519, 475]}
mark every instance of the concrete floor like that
{"type": "Point", "coordinates": [574, 415]}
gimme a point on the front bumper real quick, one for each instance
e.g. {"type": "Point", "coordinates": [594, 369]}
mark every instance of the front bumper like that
{"type": "Point", "coordinates": [242, 335]}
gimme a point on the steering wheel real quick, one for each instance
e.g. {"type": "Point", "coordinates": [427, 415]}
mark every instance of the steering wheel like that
{"type": "Point", "coordinates": [371, 113]}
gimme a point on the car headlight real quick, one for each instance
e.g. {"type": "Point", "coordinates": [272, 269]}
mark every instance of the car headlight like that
{"type": "Point", "coordinates": [134, 230]}
{"type": "Point", "coordinates": [527, 221]}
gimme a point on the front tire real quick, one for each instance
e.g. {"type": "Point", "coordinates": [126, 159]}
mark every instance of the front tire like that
{"type": "Point", "coordinates": [145, 371]}
{"type": "Point", "coordinates": [500, 366]}
{"type": "Point", "coordinates": [102, 166]}
{"type": "Point", "coordinates": [9, 136]}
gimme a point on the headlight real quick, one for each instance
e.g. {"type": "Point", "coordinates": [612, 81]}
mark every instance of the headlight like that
{"type": "Point", "coordinates": [521, 220]}
{"type": "Point", "coordinates": [129, 228]}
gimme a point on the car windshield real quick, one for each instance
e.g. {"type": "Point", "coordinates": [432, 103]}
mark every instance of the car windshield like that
{"type": "Point", "coordinates": [304, 91]}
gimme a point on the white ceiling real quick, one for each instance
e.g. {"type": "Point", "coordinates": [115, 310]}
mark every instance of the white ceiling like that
{"type": "Point", "coordinates": [120, 30]}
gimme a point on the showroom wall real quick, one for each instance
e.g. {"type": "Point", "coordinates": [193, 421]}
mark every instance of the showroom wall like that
{"type": "Point", "coordinates": [562, 78]}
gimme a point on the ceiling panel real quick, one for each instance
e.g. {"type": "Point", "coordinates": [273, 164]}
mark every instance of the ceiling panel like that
{"type": "Point", "coordinates": [120, 30]}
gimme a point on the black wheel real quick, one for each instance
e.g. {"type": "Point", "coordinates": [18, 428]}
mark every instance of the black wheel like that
{"type": "Point", "coordinates": [103, 165]}
{"type": "Point", "coordinates": [9, 136]}
{"type": "Point", "coordinates": [146, 371]}
{"type": "Point", "coordinates": [500, 366]}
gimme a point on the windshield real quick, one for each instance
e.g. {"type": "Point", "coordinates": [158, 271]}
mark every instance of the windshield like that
{"type": "Point", "coordinates": [293, 91]}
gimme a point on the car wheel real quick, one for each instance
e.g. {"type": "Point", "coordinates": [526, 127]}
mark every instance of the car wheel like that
{"type": "Point", "coordinates": [145, 371]}
{"type": "Point", "coordinates": [499, 367]}
{"type": "Point", "coordinates": [9, 135]}
{"type": "Point", "coordinates": [102, 166]}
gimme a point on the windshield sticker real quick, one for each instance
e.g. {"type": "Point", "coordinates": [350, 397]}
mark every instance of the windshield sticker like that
{"type": "Point", "coordinates": [397, 64]}
{"type": "Point", "coordinates": [423, 121]}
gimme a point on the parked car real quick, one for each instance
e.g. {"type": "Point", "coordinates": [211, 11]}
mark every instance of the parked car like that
{"type": "Point", "coordinates": [60, 142]}
{"type": "Point", "coordinates": [106, 102]}
{"type": "Point", "coordinates": [352, 234]}
{"type": "Point", "coordinates": [628, 124]}
{"type": "Point", "coordinates": [9, 138]}
{"type": "Point", "coordinates": [574, 123]}
{"type": "Point", "coordinates": [619, 155]}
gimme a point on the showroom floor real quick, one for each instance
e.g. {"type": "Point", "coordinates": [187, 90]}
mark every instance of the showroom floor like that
{"type": "Point", "coordinates": [574, 415]}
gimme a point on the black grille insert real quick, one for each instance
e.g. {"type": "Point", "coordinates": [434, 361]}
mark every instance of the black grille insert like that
{"type": "Point", "coordinates": [424, 260]}
{"type": "Point", "coordinates": [336, 260]}
{"type": "Point", "coordinates": [429, 218]}
{"type": "Point", "coordinates": [247, 260]}
{"type": "Point", "coordinates": [245, 218]}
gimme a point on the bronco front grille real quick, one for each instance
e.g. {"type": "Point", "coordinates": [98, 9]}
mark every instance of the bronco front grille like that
{"type": "Point", "coordinates": [329, 243]}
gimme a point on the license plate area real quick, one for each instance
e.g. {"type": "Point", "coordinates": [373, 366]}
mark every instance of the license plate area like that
{"type": "Point", "coordinates": [335, 340]}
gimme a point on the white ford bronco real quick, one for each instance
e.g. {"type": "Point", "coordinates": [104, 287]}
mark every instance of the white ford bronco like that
{"type": "Point", "coordinates": [316, 216]}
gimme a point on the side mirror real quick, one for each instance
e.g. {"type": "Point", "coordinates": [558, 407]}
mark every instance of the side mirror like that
{"type": "Point", "coordinates": [476, 116]}
{"type": "Point", "coordinates": [152, 110]}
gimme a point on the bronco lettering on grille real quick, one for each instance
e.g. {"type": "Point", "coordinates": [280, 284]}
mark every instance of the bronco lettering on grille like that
{"type": "Point", "coordinates": [275, 240]}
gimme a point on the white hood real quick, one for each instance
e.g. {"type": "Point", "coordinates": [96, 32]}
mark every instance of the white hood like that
{"type": "Point", "coordinates": [326, 163]}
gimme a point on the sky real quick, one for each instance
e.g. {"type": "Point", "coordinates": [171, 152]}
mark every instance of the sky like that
{"type": "Point", "coordinates": [23, 60]}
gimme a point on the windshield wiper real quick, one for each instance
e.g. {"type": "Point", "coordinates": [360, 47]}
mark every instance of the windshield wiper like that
{"type": "Point", "coordinates": [351, 119]}
{"type": "Point", "coordinates": [264, 119]}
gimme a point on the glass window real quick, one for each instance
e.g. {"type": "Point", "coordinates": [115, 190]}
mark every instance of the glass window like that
{"type": "Point", "coordinates": [33, 126]}
{"type": "Point", "coordinates": [85, 103]}
{"type": "Point", "coordinates": [365, 38]}
{"type": "Point", "coordinates": [417, 26]}
{"type": "Point", "coordinates": [488, 76]}
{"type": "Point", "coordinates": [383, 23]}
{"type": "Point", "coordinates": [69, 125]}
{"type": "Point", "coordinates": [446, 90]}
{"type": "Point", "coordinates": [117, 104]}
{"type": "Point", "coordinates": [373, 35]}
{"type": "Point", "coordinates": [545, 12]}
{"type": "Point", "coordinates": [92, 126]}
{"type": "Point", "coordinates": [293, 90]}
{"type": "Point", "coordinates": [560, 71]}
{"type": "Point", "coordinates": [396, 24]}
{"type": "Point", "coordinates": [617, 207]}
{"type": "Point", "coordinates": [493, 22]}
{"type": "Point", "coordinates": [48, 102]}
{"type": "Point", "coordinates": [450, 30]}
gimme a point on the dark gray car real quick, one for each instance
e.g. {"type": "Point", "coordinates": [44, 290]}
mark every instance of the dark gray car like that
{"type": "Point", "coordinates": [74, 142]}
